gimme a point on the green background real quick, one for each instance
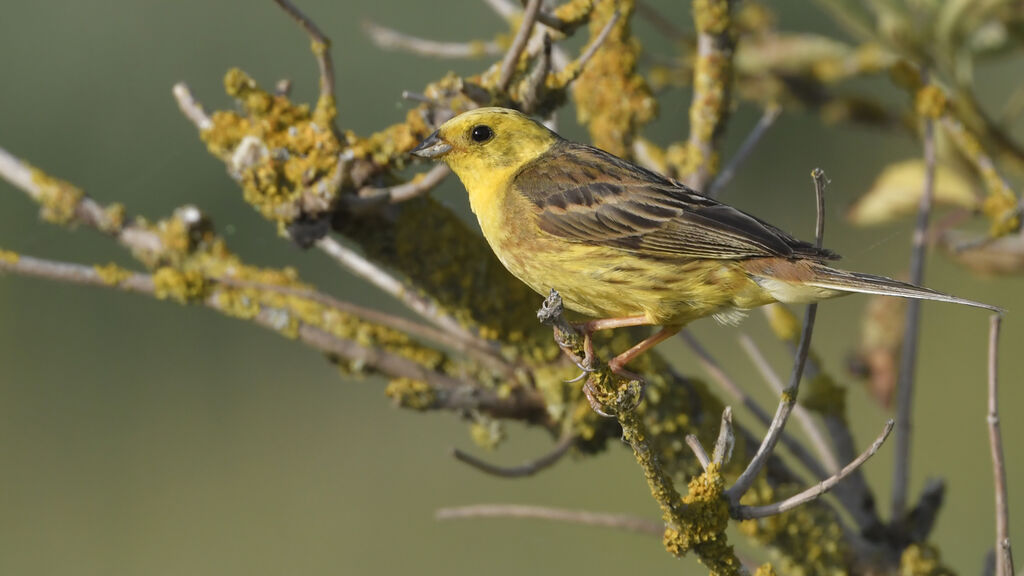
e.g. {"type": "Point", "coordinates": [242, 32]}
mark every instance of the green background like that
{"type": "Point", "coordinates": [141, 437]}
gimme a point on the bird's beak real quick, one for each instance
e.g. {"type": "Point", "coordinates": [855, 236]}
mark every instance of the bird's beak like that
{"type": "Point", "coordinates": [432, 147]}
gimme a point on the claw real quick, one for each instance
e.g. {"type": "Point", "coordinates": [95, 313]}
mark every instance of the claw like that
{"type": "Point", "coordinates": [588, 391]}
{"type": "Point", "coordinates": [585, 373]}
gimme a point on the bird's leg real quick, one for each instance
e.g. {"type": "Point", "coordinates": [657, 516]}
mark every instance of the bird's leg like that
{"type": "Point", "coordinates": [618, 364]}
{"type": "Point", "coordinates": [588, 329]}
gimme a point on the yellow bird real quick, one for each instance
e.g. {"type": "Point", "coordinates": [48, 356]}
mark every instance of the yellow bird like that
{"type": "Point", "coordinates": [624, 245]}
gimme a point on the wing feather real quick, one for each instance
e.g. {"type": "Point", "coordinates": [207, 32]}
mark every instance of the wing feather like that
{"type": "Point", "coordinates": [585, 195]}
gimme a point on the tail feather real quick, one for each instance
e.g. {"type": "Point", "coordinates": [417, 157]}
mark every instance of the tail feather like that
{"type": "Point", "coordinates": [843, 281]}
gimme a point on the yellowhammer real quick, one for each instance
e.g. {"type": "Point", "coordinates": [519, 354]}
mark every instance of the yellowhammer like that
{"type": "Point", "coordinates": [625, 245]}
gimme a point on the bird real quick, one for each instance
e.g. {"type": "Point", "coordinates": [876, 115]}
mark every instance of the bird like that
{"type": "Point", "coordinates": [626, 246]}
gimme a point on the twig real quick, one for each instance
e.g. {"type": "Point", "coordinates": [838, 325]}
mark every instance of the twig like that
{"type": "Point", "coordinates": [579, 65]}
{"type": "Point", "coordinates": [389, 284]}
{"type": "Point", "coordinates": [726, 439]}
{"type": "Point", "coordinates": [190, 107]}
{"type": "Point", "coordinates": [698, 451]}
{"type": "Point", "coordinates": [534, 83]}
{"type": "Point", "coordinates": [1004, 556]}
{"type": "Point", "coordinates": [789, 395]}
{"type": "Point", "coordinates": [620, 522]}
{"type": "Point", "coordinates": [523, 470]}
{"type": "Point", "coordinates": [814, 492]}
{"type": "Point", "coordinates": [771, 114]}
{"type": "Point", "coordinates": [321, 47]}
{"type": "Point", "coordinates": [908, 354]}
{"type": "Point", "coordinates": [804, 417]}
{"type": "Point", "coordinates": [420, 184]}
{"type": "Point", "coordinates": [391, 39]}
{"type": "Point", "coordinates": [712, 86]}
{"type": "Point", "coordinates": [511, 61]}
{"type": "Point", "coordinates": [714, 369]}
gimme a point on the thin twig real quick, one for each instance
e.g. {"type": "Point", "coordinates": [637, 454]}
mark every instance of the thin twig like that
{"type": "Point", "coordinates": [525, 469]}
{"type": "Point", "coordinates": [726, 439]}
{"type": "Point", "coordinates": [908, 354]}
{"type": "Point", "coordinates": [511, 60]}
{"type": "Point", "coordinates": [370, 198]}
{"type": "Point", "coordinates": [391, 39]}
{"type": "Point", "coordinates": [789, 395]}
{"type": "Point", "coordinates": [579, 65]}
{"type": "Point", "coordinates": [321, 46]}
{"type": "Point", "coordinates": [814, 492]}
{"type": "Point", "coordinates": [1004, 557]}
{"type": "Point", "coordinates": [804, 417]}
{"type": "Point", "coordinates": [617, 521]}
{"type": "Point", "coordinates": [771, 114]}
{"type": "Point", "coordinates": [389, 284]}
{"type": "Point", "coordinates": [191, 107]}
{"type": "Point", "coordinates": [717, 373]}
{"type": "Point", "coordinates": [702, 455]}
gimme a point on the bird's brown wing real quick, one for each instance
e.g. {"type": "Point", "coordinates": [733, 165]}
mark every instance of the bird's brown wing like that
{"type": "Point", "coordinates": [586, 195]}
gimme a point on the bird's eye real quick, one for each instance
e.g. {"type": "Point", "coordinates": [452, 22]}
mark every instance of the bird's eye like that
{"type": "Point", "coordinates": [481, 133]}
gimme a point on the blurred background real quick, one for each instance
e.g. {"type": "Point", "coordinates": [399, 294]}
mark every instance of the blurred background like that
{"type": "Point", "coordinates": [142, 437]}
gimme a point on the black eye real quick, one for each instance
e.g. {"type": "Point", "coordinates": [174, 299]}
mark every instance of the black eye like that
{"type": "Point", "coordinates": [481, 133]}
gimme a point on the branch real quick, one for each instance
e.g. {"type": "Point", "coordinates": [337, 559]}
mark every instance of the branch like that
{"type": "Point", "coordinates": [1004, 556]}
{"type": "Point", "coordinates": [370, 198]}
{"type": "Point", "coordinates": [620, 522]}
{"type": "Point", "coordinates": [391, 39]}
{"type": "Point", "coordinates": [511, 60]}
{"type": "Point", "coordinates": [908, 354]}
{"type": "Point", "coordinates": [523, 470]}
{"type": "Point", "coordinates": [814, 492]}
{"type": "Point", "coordinates": [451, 393]}
{"type": "Point", "coordinates": [789, 395]}
{"type": "Point", "coordinates": [712, 88]}
{"type": "Point", "coordinates": [190, 107]}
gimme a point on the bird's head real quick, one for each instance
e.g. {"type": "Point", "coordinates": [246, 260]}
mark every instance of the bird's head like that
{"type": "Point", "coordinates": [486, 144]}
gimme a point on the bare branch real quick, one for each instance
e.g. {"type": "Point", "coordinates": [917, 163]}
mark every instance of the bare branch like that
{"type": "Point", "coordinates": [511, 60]}
{"type": "Point", "coordinates": [391, 39]}
{"type": "Point", "coordinates": [804, 417]}
{"type": "Point", "coordinates": [814, 492]}
{"type": "Point", "coordinates": [698, 451]}
{"type": "Point", "coordinates": [771, 114]}
{"type": "Point", "coordinates": [1004, 556]}
{"type": "Point", "coordinates": [789, 395]}
{"type": "Point", "coordinates": [370, 198]}
{"type": "Point", "coordinates": [908, 354]}
{"type": "Point", "coordinates": [617, 521]}
{"type": "Point", "coordinates": [579, 65]}
{"type": "Point", "coordinates": [321, 47]}
{"type": "Point", "coordinates": [726, 439]}
{"type": "Point", "coordinates": [523, 470]}
{"type": "Point", "coordinates": [191, 107]}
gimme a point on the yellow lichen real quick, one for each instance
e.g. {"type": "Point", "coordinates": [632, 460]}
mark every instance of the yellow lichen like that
{"type": "Point", "coordinates": [182, 287]}
{"type": "Point", "coordinates": [765, 569]}
{"type": "Point", "coordinates": [711, 16]}
{"type": "Point", "coordinates": [112, 274]}
{"type": "Point", "coordinates": [413, 394]}
{"type": "Point", "coordinates": [783, 322]}
{"type": "Point", "coordinates": [922, 560]}
{"type": "Point", "coordinates": [58, 199]}
{"type": "Point", "coordinates": [9, 257]}
{"type": "Point", "coordinates": [487, 433]}
{"type": "Point", "coordinates": [930, 101]}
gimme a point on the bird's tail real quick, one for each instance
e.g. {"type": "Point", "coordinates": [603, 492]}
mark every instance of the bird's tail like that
{"type": "Point", "coordinates": [828, 278]}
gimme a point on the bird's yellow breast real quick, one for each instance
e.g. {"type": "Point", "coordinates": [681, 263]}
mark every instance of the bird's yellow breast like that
{"type": "Point", "coordinates": [608, 282]}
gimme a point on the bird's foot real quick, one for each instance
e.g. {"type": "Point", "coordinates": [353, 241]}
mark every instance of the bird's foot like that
{"type": "Point", "coordinates": [595, 404]}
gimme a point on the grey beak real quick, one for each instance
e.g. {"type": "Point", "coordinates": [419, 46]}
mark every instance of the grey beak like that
{"type": "Point", "coordinates": [432, 147]}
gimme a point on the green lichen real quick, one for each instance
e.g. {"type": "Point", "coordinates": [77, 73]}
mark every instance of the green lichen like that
{"type": "Point", "coordinates": [182, 287]}
{"type": "Point", "coordinates": [412, 394]}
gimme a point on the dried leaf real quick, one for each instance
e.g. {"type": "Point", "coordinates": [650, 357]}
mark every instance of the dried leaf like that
{"type": "Point", "coordinates": [999, 257]}
{"type": "Point", "coordinates": [897, 192]}
{"type": "Point", "coordinates": [881, 337]}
